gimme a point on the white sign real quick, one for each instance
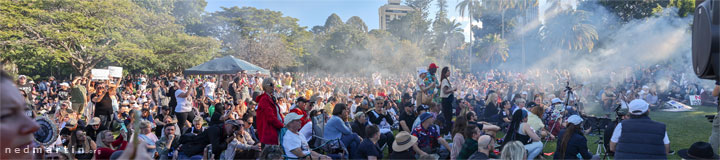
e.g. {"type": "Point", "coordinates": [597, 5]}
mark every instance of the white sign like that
{"type": "Point", "coordinates": [100, 74]}
{"type": "Point", "coordinates": [115, 71]}
{"type": "Point", "coordinates": [695, 100]}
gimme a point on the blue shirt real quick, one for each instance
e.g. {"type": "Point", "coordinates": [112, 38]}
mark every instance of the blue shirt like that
{"type": "Point", "coordinates": [335, 128]}
{"type": "Point", "coordinates": [368, 148]}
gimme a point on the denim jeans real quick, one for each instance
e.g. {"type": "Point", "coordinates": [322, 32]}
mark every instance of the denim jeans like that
{"type": "Point", "coordinates": [534, 149]}
{"type": "Point", "coordinates": [351, 142]}
{"type": "Point", "coordinates": [182, 156]}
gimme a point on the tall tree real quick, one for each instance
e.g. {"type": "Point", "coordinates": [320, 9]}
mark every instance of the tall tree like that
{"type": "Point", "coordinates": [333, 21]}
{"type": "Point", "coordinates": [632, 9]}
{"type": "Point", "coordinates": [500, 7]}
{"type": "Point", "coordinates": [85, 33]}
{"type": "Point", "coordinates": [569, 30]}
{"type": "Point", "coordinates": [357, 23]}
{"type": "Point", "coordinates": [236, 26]}
{"type": "Point", "coordinates": [493, 49]}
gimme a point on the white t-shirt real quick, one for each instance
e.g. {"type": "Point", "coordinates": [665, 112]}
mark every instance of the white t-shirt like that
{"type": "Point", "coordinates": [445, 83]}
{"type": "Point", "coordinates": [618, 129]}
{"type": "Point", "coordinates": [292, 141]}
{"type": "Point", "coordinates": [182, 105]}
{"type": "Point", "coordinates": [209, 88]}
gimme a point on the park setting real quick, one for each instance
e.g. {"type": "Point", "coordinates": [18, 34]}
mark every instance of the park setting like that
{"type": "Point", "coordinates": [359, 79]}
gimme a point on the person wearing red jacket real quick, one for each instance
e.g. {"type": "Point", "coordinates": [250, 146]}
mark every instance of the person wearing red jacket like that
{"type": "Point", "coordinates": [301, 108]}
{"type": "Point", "coordinates": [269, 120]}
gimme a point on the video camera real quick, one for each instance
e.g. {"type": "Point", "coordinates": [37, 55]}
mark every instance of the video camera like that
{"type": "Point", "coordinates": [706, 39]}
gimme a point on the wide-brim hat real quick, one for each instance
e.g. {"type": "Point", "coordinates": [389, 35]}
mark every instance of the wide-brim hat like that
{"type": "Point", "coordinates": [403, 141]}
{"type": "Point", "coordinates": [698, 150]}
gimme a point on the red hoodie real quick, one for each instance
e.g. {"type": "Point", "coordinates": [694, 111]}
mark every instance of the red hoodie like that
{"type": "Point", "coordinates": [267, 122]}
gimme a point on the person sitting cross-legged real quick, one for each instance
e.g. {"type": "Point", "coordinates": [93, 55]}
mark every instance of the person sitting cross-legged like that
{"type": "Point", "coordinates": [429, 139]}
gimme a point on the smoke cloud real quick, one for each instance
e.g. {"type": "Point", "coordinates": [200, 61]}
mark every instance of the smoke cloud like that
{"type": "Point", "coordinates": [622, 49]}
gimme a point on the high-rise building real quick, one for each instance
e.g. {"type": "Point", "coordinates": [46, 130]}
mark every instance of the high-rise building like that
{"type": "Point", "coordinates": [391, 11]}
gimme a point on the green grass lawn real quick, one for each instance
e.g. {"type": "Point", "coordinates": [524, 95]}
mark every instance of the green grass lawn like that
{"type": "Point", "coordinates": [683, 128]}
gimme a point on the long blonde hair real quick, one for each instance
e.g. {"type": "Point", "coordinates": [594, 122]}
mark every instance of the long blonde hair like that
{"type": "Point", "coordinates": [513, 151]}
{"type": "Point", "coordinates": [491, 98]}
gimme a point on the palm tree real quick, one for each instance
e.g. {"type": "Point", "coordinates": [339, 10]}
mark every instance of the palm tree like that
{"type": "Point", "coordinates": [493, 48]}
{"type": "Point", "coordinates": [500, 6]}
{"type": "Point", "coordinates": [569, 30]}
{"type": "Point", "coordinates": [471, 8]}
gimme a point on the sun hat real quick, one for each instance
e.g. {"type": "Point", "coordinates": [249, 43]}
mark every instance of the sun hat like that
{"type": "Point", "coordinates": [403, 141]}
{"type": "Point", "coordinates": [698, 150]}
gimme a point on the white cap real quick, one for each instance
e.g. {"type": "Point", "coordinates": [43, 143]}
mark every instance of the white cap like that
{"type": "Point", "coordinates": [575, 119]}
{"type": "Point", "coordinates": [64, 84]}
{"type": "Point", "coordinates": [556, 100]}
{"type": "Point", "coordinates": [421, 71]}
{"type": "Point", "coordinates": [291, 117]}
{"type": "Point", "coordinates": [638, 107]}
{"type": "Point", "coordinates": [525, 93]}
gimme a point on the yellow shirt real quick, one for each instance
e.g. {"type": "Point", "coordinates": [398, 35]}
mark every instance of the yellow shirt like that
{"type": "Point", "coordinates": [329, 108]}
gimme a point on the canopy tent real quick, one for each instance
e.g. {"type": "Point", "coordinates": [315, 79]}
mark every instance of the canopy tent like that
{"type": "Point", "coordinates": [225, 65]}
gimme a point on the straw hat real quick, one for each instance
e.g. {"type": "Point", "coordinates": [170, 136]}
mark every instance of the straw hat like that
{"type": "Point", "coordinates": [403, 141]}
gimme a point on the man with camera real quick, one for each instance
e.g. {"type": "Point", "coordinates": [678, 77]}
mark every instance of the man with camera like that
{"type": "Point", "coordinates": [639, 137]}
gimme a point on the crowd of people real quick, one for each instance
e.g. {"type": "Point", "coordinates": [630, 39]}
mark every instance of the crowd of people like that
{"type": "Point", "coordinates": [435, 113]}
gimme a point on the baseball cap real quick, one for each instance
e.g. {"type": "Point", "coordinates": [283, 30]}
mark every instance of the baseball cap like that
{"type": "Point", "coordinates": [425, 116]}
{"type": "Point", "coordinates": [432, 65]}
{"type": "Point", "coordinates": [301, 99]}
{"type": "Point", "coordinates": [638, 107]}
{"type": "Point", "coordinates": [422, 107]}
{"type": "Point", "coordinates": [291, 117]}
{"type": "Point", "coordinates": [575, 119]}
{"type": "Point", "coordinates": [556, 100]}
{"type": "Point", "coordinates": [421, 71]}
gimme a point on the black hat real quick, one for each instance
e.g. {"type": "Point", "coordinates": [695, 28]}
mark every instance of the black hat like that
{"type": "Point", "coordinates": [422, 107]}
{"type": "Point", "coordinates": [301, 99]}
{"type": "Point", "coordinates": [406, 96]}
{"type": "Point", "coordinates": [698, 150]}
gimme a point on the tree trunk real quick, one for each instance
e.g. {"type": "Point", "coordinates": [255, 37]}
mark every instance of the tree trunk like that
{"type": "Point", "coordinates": [502, 19]}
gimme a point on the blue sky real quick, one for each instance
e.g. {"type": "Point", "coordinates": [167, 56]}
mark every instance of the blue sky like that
{"type": "Point", "coordinates": [314, 12]}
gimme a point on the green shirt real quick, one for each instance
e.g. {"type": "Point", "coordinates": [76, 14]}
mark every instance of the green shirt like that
{"type": "Point", "coordinates": [469, 147]}
{"type": "Point", "coordinates": [78, 93]}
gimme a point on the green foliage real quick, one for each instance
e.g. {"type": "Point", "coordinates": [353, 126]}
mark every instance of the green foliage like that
{"type": "Point", "coordinates": [244, 32]}
{"type": "Point", "coordinates": [632, 9]}
{"type": "Point", "coordinates": [82, 34]}
{"type": "Point", "coordinates": [685, 7]}
{"type": "Point", "coordinates": [493, 48]}
{"type": "Point", "coordinates": [580, 35]}
{"type": "Point", "coordinates": [333, 21]}
{"type": "Point", "coordinates": [357, 23]}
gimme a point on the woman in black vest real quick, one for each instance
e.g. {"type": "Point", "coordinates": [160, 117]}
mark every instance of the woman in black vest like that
{"type": "Point", "coordinates": [519, 130]}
